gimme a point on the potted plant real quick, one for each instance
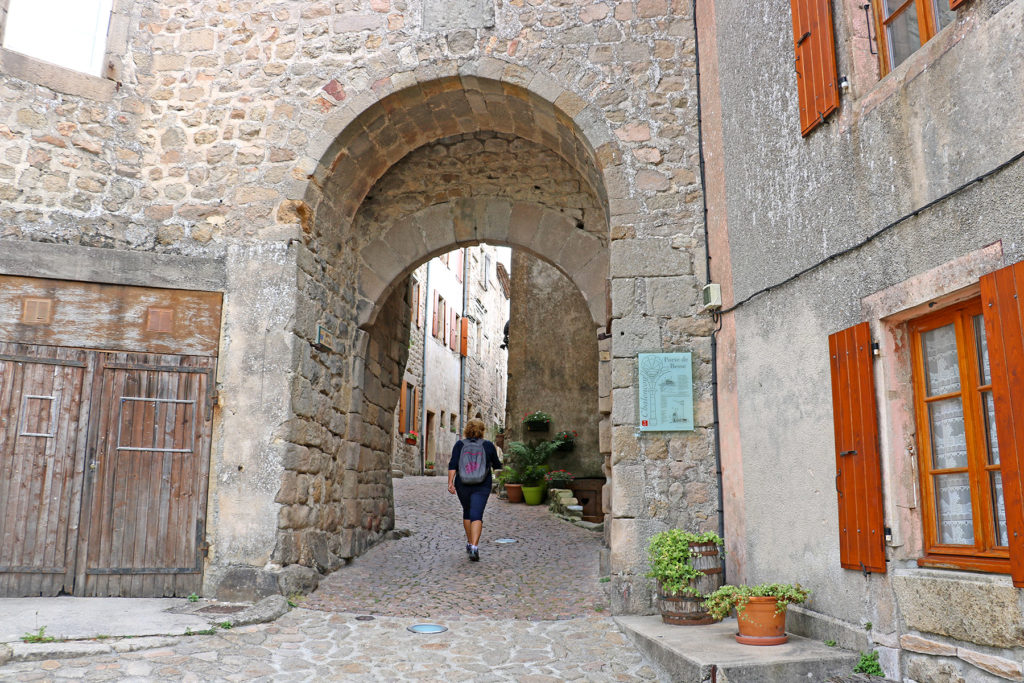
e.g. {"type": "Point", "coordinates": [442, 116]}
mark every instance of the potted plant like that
{"type": "Point", "coordinates": [499, 436]}
{"type": "Point", "coordinates": [558, 479]}
{"type": "Point", "coordinates": [687, 567]}
{"type": "Point", "coordinates": [537, 421]}
{"type": "Point", "coordinates": [509, 478]}
{"type": "Point", "coordinates": [529, 462]}
{"type": "Point", "coordinates": [566, 440]}
{"type": "Point", "coordinates": [412, 437]}
{"type": "Point", "coordinates": [428, 467]}
{"type": "Point", "coordinates": [760, 610]}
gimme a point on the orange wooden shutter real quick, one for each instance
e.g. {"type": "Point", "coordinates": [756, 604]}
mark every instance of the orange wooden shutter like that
{"type": "Point", "coordinates": [1002, 303]}
{"type": "Point", "coordinates": [464, 337]}
{"type": "Point", "coordinates": [953, 4]}
{"type": "Point", "coordinates": [401, 409]}
{"type": "Point", "coordinates": [815, 61]}
{"type": "Point", "coordinates": [858, 471]}
{"type": "Point", "coordinates": [416, 408]}
{"type": "Point", "coordinates": [433, 330]}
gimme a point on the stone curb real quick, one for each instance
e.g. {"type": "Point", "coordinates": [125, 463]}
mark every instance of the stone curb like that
{"type": "Point", "coordinates": [266, 610]}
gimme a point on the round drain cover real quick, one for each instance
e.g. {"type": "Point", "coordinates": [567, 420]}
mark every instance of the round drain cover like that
{"type": "Point", "coordinates": [364, 618]}
{"type": "Point", "coordinates": [428, 628]}
{"type": "Point", "coordinates": [506, 540]}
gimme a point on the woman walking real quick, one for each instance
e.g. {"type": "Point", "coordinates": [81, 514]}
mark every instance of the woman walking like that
{"type": "Point", "coordinates": [469, 476]}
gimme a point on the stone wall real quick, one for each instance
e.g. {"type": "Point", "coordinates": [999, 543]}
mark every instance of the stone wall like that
{"type": "Point", "coordinates": [252, 134]}
{"type": "Point", "coordinates": [552, 364]}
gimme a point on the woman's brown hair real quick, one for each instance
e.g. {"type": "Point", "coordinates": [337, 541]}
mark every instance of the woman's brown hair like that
{"type": "Point", "coordinates": [474, 429]}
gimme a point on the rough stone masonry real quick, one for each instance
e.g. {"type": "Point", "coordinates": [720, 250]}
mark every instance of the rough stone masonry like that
{"type": "Point", "coordinates": [258, 140]}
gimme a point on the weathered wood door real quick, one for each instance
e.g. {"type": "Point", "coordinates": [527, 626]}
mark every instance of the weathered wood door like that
{"type": "Point", "coordinates": [41, 463]}
{"type": "Point", "coordinates": [147, 475]}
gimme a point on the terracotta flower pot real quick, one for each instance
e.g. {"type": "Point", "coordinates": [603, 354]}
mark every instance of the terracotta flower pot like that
{"type": "Point", "coordinates": [759, 623]}
{"type": "Point", "coordinates": [514, 492]}
{"type": "Point", "coordinates": [411, 442]}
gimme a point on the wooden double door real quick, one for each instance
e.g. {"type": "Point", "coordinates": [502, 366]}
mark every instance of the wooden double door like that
{"type": "Point", "coordinates": [104, 464]}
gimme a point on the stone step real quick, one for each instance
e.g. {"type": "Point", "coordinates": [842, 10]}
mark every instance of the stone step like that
{"type": "Point", "coordinates": [699, 654]}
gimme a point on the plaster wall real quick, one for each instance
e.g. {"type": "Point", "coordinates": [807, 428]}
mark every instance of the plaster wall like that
{"type": "Point", "coordinates": [933, 124]}
{"type": "Point", "coordinates": [553, 360]}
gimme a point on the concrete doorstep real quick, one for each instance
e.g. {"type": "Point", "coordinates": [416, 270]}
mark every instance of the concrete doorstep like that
{"type": "Point", "coordinates": [94, 626]}
{"type": "Point", "coordinates": [700, 654]}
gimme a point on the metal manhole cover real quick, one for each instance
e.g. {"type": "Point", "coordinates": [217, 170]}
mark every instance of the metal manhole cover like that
{"type": "Point", "coordinates": [428, 628]}
{"type": "Point", "coordinates": [365, 617]}
{"type": "Point", "coordinates": [506, 540]}
{"type": "Point", "coordinates": [221, 609]}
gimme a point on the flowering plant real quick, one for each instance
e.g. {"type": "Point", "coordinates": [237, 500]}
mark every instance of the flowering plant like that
{"type": "Point", "coordinates": [412, 436]}
{"type": "Point", "coordinates": [536, 417]}
{"type": "Point", "coordinates": [566, 435]}
{"type": "Point", "coordinates": [558, 477]}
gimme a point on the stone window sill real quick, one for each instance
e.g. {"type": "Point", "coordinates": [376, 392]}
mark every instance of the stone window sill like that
{"type": "Point", "coordinates": [61, 79]}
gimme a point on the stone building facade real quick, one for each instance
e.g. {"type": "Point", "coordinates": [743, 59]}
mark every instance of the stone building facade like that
{"type": "Point", "coordinates": [259, 150]}
{"type": "Point", "coordinates": [456, 370]}
{"type": "Point", "coordinates": [893, 212]}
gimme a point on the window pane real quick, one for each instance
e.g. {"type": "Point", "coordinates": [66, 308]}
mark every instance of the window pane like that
{"type": "Point", "coordinates": [953, 500]}
{"type": "Point", "coordinates": [941, 371]}
{"type": "Point", "coordinates": [892, 5]}
{"type": "Point", "coordinates": [949, 443]}
{"type": "Point", "coordinates": [69, 33]}
{"type": "Point", "coordinates": [985, 375]}
{"type": "Point", "coordinates": [903, 35]}
{"type": "Point", "coordinates": [992, 444]}
{"type": "Point", "coordinates": [943, 15]}
{"type": "Point", "coordinates": [999, 512]}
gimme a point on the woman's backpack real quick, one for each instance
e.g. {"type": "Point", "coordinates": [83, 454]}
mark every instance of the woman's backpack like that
{"type": "Point", "coordinates": [472, 462]}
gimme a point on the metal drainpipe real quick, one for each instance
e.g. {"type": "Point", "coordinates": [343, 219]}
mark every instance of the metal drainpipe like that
{"type": "Point", "coordinates": [462, 359]}
{"type": "Point", "coordinates": [423, 374]}
{"type": "Point", "coordinates": [707, 270]}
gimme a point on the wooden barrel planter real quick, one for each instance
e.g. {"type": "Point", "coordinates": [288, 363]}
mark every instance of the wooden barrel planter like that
{"type": "Point", "coordinates": [685, 610]}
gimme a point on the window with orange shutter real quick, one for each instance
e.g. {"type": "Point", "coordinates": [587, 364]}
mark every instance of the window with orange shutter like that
{"type": "Point", "coordinates": [903, 26]}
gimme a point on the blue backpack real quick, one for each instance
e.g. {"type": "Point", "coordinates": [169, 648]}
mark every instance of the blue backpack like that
{"type": "Point", "coordinates": [472, 462]}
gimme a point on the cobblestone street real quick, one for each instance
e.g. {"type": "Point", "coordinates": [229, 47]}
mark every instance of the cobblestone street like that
{"type": "Point", "coordinates": [550, 572]}
{"type": "Point", "coordinates": [533, 610]}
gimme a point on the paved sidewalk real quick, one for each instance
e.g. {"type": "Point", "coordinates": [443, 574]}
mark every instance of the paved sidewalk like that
{"type": "Point", "coordinates": [551, 572]}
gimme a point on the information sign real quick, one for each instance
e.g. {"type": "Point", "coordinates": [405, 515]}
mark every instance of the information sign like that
{"type": "Point", "coordinates": [666, 392]}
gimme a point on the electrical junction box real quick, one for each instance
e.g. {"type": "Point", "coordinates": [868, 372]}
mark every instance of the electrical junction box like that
{"type": "Point", "coordinates": [712, 297]}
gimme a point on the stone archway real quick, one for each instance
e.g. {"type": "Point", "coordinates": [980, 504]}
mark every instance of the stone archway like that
{"type": "Point", "coordinates": [350, 286]}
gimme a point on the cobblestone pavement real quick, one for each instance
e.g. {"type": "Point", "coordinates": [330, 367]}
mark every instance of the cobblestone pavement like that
{"type": "Point", "coordinates": [548, 579]}
{"type": "Point", "coordinates": [551, 572]}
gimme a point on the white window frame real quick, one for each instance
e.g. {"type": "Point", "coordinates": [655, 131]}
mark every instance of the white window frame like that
{"type": "Point", "coordinates": [70, 81]}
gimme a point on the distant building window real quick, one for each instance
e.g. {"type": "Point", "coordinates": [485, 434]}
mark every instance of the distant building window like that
{"type": "Point", "coordinates": [487, 271]}
{"type": "Point", "coordinates": [903, 26]}
{"type": "Point", "coordinates": [68, 33]}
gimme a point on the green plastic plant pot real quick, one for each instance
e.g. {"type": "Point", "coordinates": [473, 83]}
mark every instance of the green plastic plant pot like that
{"type": "Point", "coordinates": [533, 495]}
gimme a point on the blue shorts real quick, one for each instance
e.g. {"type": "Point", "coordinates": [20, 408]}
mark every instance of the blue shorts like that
{"type": "Point", "coordinates": [473, 499]}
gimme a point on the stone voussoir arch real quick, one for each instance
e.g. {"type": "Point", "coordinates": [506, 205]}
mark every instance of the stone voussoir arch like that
{"type": "Point", "coordinates": [367, 133]}
{"type": "Point", "coordinates": [544, 232]}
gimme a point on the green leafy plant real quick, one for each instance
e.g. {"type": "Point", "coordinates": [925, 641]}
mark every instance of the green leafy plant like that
{"type": "Point", "coordinates": [429, 464]}
{"type": "Point", "coordinates": [671, 561]}
{"type": "Point", "coordinates": [869, 665]}
{"type": "Point", "coordinates": [193, 598]}
{"type": "Point", "coordinates": [226, 625]}
{"type": "Point", "coordinates": [38, 637]}
{"type": "Point", "coordinates": [604, 579]}
{"type": "Point", "coordinates": [719, 603]}
{"type": "Point", "coordinates": [537, 417]}
{"type": "Point", "coordinates": [830, 643]}
{"type": "Point", "coordinates": [867, 626]}
{"type": "Point", "coordinates": [558, 477]}
{"type": "Point", "coordinates": [411, 436]}
{"type": "Point", "coordinates": [528, 460]}
{"type": "Point", "coordinates": [508, 475]}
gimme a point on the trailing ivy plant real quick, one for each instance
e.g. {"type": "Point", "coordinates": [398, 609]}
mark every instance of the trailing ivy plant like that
{"type": "Point", "coordinates": [671, 561]}
{"type": "Point", "coordinates": [719, 603]}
